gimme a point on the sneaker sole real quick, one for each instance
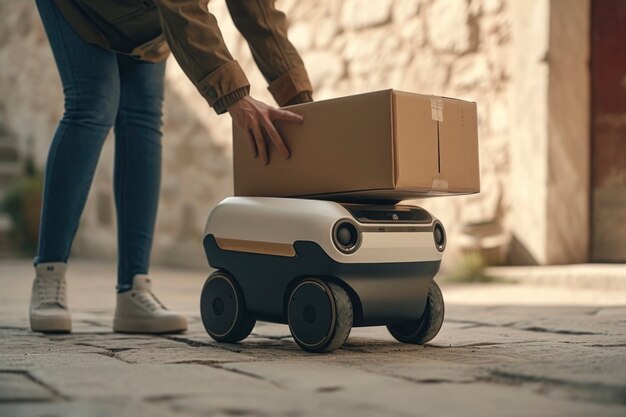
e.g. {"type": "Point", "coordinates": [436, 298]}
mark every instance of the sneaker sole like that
{"type": "Point", "coordinates": [150, 326]}
{"type": "Point", "coordinates": [50, 325]}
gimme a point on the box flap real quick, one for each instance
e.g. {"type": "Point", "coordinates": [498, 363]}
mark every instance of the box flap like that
{"type": "Point", "coordinates": [458, 144]}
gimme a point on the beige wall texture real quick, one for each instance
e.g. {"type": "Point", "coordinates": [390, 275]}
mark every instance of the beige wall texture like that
{"type": "Point", "coordinates": [511, 57]}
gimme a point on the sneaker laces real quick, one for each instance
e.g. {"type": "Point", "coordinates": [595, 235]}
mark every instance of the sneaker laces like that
{"type": "Point", "coordinates": [51, 291]}
{"type": "Point", "coordinates": [148, 300]}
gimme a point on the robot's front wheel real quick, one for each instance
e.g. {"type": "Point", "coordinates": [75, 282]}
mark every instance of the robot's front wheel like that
{"type": "Point", "coordinates": [223, 309]}
{"type": "Point", "coordinates": [319, 315]}
{"type": "Point", "coordinates": [425, 329]}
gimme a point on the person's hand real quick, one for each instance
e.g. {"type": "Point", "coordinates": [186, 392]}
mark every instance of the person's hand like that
{"type": "Point", "coordinates": [257, 118]}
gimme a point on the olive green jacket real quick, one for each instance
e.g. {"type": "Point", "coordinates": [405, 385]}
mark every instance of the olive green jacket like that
{"type": "Point", "coordinates": [146, 28]}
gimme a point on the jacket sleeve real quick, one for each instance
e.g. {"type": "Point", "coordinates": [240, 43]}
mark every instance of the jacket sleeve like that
{"type": "Point", "coordinates": [265, 30]}
{"type": "Point", "coordinates": [194, 37]}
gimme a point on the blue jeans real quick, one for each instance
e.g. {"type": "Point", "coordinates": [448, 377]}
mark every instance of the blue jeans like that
{"type": "Point", "coordinates": [102, 90]}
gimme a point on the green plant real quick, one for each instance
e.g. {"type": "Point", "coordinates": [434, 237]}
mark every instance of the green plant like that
{"type": "Point", "coordinates": [22, 203]}
{"type": "Point", "coordinates": [470, 269]}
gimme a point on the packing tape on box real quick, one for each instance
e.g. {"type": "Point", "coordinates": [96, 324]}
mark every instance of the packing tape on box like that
{"type": "Point", "coordinates": [440, 184]}
{"type": "Point", "coordinates": [436, 108]}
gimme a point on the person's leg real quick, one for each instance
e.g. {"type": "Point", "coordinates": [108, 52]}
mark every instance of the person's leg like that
{"type": "Point", "coordinates": [137, 183]}
{"type": "Point", "coordinates": [137, 177]}
{"type": "Point", "coordinates": [91, 88]}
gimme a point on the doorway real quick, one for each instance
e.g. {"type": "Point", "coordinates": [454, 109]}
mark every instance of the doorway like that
{"type": "Point", "coordinates": [608, 131]}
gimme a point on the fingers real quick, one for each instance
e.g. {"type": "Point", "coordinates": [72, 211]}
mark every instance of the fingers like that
{"type": "Point", "coordinates": [270, 130]}
{"type": "Point", "coordinates": [260, 144]}
{"type": "Point", "coordinates": [287, 116]}
{"type": "Point", "coordinates": [252, 143]}
{"type": "Point", "coordinates": [261, 129]}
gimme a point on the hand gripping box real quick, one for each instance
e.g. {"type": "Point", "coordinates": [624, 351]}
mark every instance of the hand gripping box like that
{"type": "Point", "coordinates": [385, 145]}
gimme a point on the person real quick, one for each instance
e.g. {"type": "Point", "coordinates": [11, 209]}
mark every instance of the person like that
{"type": "Point", "coordinates": [111, 60]}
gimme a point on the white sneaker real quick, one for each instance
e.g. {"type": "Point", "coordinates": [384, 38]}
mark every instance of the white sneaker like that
{"type": "Point", "coordinates": [48, 299]}
{"type": "Point", "coordinates": [139, 311]}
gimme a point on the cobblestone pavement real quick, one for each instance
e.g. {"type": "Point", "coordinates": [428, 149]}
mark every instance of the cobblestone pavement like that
{"type": "Point", "coordinates": [505, 349]}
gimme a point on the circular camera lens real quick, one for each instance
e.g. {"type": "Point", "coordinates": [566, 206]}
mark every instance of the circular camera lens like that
{"type": "Point", "coordinates": [439, 236]}
{"type": "Point", "coordinates": [346, 237]}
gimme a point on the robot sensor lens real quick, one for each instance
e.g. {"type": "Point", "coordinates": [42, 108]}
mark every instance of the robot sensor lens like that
{"type": "Point", "coordinates": [440, 236]}
{"type": "Point", "coordinates": [346, 237]}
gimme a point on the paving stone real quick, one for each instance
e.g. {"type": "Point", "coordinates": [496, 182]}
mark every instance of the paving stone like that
{"type": "Point", "coordinates": [115, 342]}
{"type": "Point", "coordinates": [282, 404]}
{"type": "Point", "coordinates": [117, 408]}
{"type": "Point", "coordinates": [271, 330]}
{"type": "Point", "coordinates": [571, 363]}
{"type": "Point", "coordinates": [489, 360]}
{"type": "Point", "coordinates": [147, 381]}
{"type": "Point", "coordinates": [481, 335]}
{"type": "Point", "coordinates": [398, 396]}
{"type": "Point", "coordinates": [15, 386]}
{"type": "Point", "coordinates": [535, 295]}
{"type": "Point", "coordinates": [73, 361]}
{"type": "Point", "coordinates": [186, 354]}
{"type": "Point", "coordinates": [318, 377]}
{"type": "Point", "coordinates": [12, 341]}
{"type": "Point", "coordinates": [426, 371]}
{"type": "Point", "coordinates": [443, 399]}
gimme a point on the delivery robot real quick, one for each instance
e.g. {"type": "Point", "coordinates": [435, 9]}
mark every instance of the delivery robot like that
{"type": "Point", "coordinates": [322, 267]}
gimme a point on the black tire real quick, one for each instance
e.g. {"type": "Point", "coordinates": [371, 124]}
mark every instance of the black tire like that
{"type": "Point", "coordinates": [223, 309]}
{"type": "Point", "coordinates": [320, 315]}
{"type": "Point", "coordinates": [425, 329]}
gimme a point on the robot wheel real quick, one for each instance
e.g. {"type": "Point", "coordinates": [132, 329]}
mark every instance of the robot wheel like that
{"type": "Point", "coordinates": [426, 328]}
{"type": "Point", "coordinates": [319, 315]}
{"type": "Point", "coordinates": [223, 309]}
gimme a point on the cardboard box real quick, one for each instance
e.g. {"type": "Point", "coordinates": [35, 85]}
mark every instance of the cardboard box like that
{"type": "Point", "coordinates": [384, 145]}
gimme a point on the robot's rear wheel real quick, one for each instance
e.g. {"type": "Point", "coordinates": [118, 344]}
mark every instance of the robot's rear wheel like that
{"type": "Point", "coordinates": [320, 315]}
{"type": "Point", "coordinates": [223, 309]}
{"type": "Point", "coordinates": [425, 329]}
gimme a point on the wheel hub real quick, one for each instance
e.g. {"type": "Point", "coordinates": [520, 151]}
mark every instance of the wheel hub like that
{"type": "Point", "coordinates": [311, 314]}
{"type": "Point", "coordinates": [308, 313]}
{"type": "Point", "coordinates": [219, 306]}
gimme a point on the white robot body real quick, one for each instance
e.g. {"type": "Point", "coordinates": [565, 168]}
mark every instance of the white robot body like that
{"type": "Point", "coordinates": [283, 221]}
{"type": "Point", "coordinates": [322, 267]}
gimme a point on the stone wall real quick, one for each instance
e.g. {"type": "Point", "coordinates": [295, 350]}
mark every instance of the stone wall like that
{"type": "Point", "coordinates": [458, 48]}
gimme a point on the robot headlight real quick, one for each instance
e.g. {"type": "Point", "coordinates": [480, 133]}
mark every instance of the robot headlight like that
{"type": "Point", "coordinates": [346, 236]}
{"type": "Point", "coordinates": [439, 235]}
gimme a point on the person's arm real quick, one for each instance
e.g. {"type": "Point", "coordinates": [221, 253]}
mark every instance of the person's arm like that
{"type": "Point", "coordinates": [265, 30]}
{"type": "Point", "coordinates": [194, 37]}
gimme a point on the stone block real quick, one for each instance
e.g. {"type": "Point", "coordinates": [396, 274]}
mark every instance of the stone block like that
{"type": "Point", "coordinates": [480, 7]}
{"type": "Point", "coordinates": [448, 28]}
{"type": "Point", "coordinates": [301, 36]}
{"type": "Point", "coordinates": [404, 10]}
{"type": "Point", "coordinates": [325, 32]}
{"type": "Point", "coordinates": [413, 34]}
{"type": "Point", "coordinates": [374, 50]}
{"type": "Point", "coordinates": [471, 72]}
{"type": "Point", "coordinates": [359, 14]}
{"type": "Point", "coordinates": [426, 73]}
{"type": "Point", "coordinates": [325, 68]}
